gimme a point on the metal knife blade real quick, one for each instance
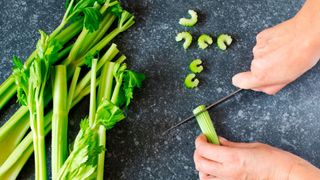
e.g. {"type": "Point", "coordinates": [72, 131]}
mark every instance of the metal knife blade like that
{"type": "Point", "coordinates": [207, 108]}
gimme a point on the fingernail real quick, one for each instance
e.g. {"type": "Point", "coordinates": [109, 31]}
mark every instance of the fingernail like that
{"type": "Point", "coordinates": [222, 139]}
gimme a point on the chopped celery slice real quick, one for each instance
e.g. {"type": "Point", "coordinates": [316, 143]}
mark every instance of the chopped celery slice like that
{"type": "Point", "coordinates": [186, 36]}
{"type": "Point", "coordinates": [206, 124]}
{"type": "Point", "coordinates": [195, 66]}
{"type": "Point", "coordinates": [191, 21]}
{"type": "Point", "coordinates": [191, 81]}
{"type": "Point", "coordinates": [204, 41]}
{"type": "Point", "coordinates": [223, 41]}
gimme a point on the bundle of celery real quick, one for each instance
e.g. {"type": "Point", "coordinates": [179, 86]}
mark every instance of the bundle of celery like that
{"type": "Point", "coordinates": [87, 28]}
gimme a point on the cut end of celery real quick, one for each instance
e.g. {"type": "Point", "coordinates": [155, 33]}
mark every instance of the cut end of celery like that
{"type": "Point", "coordinates": [206, 124]}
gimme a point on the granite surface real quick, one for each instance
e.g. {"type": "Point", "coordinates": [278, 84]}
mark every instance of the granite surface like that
{"type": "Point", "coordinates": [136, 149]}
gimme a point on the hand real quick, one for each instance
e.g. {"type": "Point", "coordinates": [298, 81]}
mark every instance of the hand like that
{"type": "Point", "coordinates": [284, 52]}
{"type": "Point", "coordinates": [248, 161]}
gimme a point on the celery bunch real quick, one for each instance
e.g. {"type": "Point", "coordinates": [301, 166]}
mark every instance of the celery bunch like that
{"type": "Point", "coordinates": [85, 31]}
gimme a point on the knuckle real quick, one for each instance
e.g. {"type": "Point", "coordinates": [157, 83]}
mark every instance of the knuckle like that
{"type": "Point", "coordinates": [258, 71]}
{"type": "Point", "coordinates": [255, 50]}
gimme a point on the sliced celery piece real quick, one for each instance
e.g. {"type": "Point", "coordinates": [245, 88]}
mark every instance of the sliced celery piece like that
{"type": "Point", "coordinates": [196, 66]}
{"type": "Point", "coordinates": [191, 21]}
{"type": "Point", "coordinates": [223, 41]}
{"type": "Point", "coordinates": [191, 81]}
{"type": "Point", "coordinates": [186, 36]}
{"type": "Point", "coordinates": [204, 41]}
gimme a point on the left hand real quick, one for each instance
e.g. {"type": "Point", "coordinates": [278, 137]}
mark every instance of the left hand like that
{"type": "Point", "coordinates": [248, 161]}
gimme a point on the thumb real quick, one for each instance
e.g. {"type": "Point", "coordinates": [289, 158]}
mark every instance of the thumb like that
{"type": "Point", "coordinates": [246, 80]}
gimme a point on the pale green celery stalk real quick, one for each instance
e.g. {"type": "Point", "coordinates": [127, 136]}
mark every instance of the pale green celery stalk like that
{"type": "Point", "coordinates": [64, 52]}
{"type": "Point", "coordinates": [12, 132]}
{"type": "Point", "coordinates": [109, 55]}
{"type": "Point", "coordinates": [116, 90]}
{"type": "Point", "coordinates": [65, 20]}
{"type": "Point", "coordinates": [93, 98]}
{"type": "Point", "coordinates": [8, 87]}
{"type": "Point", "coordinates": [206, 125]}
{"type": "Point", "coordinates": [16, 127]}
{"type": "Point", "coordinates": [39, 135]}
{"type": "Point", "coordinates": [17, 159]}
{"type": "Point", "coordinates": [85, 39]}
{"type": "Point", "coordinates": [97, 35]}
{"type": "Point", "coordinates": [73, 86]}
{"type": "Point", "coordinates": [105, 89]}
{"type": "Point", "coordinates": [8, 90]}
{"type": "Point", "coordinates": [125, 22]}
{"type": "Point", "coordinates": [121, 59]}
{"type": "Point", "coordinates": [59, 150]}
{"type": "Point", "coordinates": [84, 93]}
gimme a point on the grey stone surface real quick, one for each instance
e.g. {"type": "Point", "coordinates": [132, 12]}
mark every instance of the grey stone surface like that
{"type": "Point", "coordinates": [136, 150]}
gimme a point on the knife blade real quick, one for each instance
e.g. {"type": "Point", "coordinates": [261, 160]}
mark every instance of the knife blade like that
{"type": "Point", "coordinates": [207, 108]}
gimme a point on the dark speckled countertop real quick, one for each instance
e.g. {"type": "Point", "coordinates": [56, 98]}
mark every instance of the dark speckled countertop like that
{"type": "Point", "coordinates": [289, 120]}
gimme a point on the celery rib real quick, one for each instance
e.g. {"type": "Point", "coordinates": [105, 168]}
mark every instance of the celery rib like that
{"type": "Point", "coordinates": [206, 124]}
{"type": "Point", "coordinates": [59, 120]}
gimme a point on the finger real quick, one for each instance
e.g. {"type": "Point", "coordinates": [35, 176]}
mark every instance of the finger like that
{"type": "Point", "coordinates": [272, 90]}
{"type": "Point", "coordinates": [203, 176]}
{"type": "Point", "coordinates": [212, 152]}
{"type": "Point", "coordinates": [263, 37]}
{"type": "Point", "coordinates": [225, 142]}
{"type": "Point", "coordinates": [206, 166]}
{"type": "Point", "coordinates": [246, 80]}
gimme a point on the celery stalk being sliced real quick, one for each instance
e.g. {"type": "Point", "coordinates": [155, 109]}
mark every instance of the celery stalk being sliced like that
{"type": "Point", "coordinates": [206, 124]}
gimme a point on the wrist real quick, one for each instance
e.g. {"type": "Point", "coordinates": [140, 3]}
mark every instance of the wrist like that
{"type": "Point", "coordinates": [303, 170]}
{"type": "Point", "coordinates": [309, 17]}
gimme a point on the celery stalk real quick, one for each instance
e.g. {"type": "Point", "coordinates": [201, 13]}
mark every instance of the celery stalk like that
{"type": "Point", "coordinates": [206, 125]}
{"type": "Point", "coordinates": [59, 120]}
{"type": "Point", "coordinates": [8, 88]}
{"type": "Point", "coordinates": [105, 89]}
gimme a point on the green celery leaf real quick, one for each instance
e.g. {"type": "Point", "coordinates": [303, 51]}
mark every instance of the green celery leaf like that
{"type": "Point", "coordinates": [88, 58]}
{"type": "Point", "coordinates": [52, 50]}
{"type": "Point", "coordinates": [89, 10]}
{"type": "Point", "coordinates": [116, 9]}
{"type": "Point", "coordinates": [109, 114]}
{"type": "Point", "coordinates": [92, 18]}
{"type": "Point", "coordinates": [82, 161]}
{"type": "Point", "coordinates": [21, 76]}
{"type": "Point", "coordinates": [131, 80]}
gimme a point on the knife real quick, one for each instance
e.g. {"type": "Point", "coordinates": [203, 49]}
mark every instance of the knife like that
{"type": "Point", "coordinates": [207, 108]}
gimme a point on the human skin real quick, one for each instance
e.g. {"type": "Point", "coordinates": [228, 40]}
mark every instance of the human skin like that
{"type": "Point", "coordinates": [249, 161]}
{"type": "Point", "coordinates": [284, 52]}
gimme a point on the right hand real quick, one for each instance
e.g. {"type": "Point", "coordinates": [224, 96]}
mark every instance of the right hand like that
{"type": "Point", "coordinates": [283, 53]}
